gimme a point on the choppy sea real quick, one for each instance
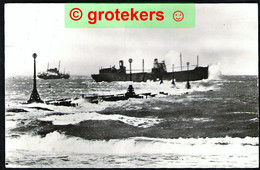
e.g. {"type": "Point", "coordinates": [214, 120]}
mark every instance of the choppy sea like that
{"type": "Point", "coordinates": [215, 124]}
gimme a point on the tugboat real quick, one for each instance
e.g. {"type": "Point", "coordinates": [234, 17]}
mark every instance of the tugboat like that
{"type": "Point", "coordinates": [53, 73]}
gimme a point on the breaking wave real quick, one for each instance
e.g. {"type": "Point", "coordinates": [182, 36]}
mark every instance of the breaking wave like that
{"type": "Point", "coordinates": [214, 72]}
{"type": "Point", "coordinates": [56, 142]}
{"type": "Point", "coordinates": [79, 117]}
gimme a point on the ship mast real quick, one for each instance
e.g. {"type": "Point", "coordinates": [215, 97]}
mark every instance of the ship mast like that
{"type": "Point", "coordinates": [197, 61]}
{"type": "Point", "coordinates": [143, 65]}
{"type": "Point", "coordinates": [59, 66]}
{"type": "Point", "coordinates": [48, 67]}
{"type": "Point", "coordinates": [181, 61]}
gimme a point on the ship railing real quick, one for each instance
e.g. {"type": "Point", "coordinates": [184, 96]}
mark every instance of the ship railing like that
{"type": "Point", "coordinates": [183, 68]}
{"type": "Point", "coordinates": [139, 70]}
{"type": "Point", "coordinates": [169, 69]}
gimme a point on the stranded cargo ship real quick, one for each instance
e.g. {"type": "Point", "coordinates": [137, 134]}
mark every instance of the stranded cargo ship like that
{"type": "Point", "coordinates": [159, 72]}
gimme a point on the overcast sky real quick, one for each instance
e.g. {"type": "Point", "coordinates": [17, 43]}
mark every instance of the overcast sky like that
{"type": "Point", "coordinates": [225, 34]}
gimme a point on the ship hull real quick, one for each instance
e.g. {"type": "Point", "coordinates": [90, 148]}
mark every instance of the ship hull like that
{"type": "Point", "coordinates": [198, 73]}
{"type": "Point", "coordinates": [53, 77]}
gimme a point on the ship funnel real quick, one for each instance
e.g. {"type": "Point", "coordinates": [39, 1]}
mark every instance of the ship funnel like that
{"type": "Point", "coordinates": [155, 63]}
{"type": "Point", "coordinates": [121, 63]}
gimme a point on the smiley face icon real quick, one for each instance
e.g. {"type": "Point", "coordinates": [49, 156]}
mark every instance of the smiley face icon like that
{"type": "Point", "coordinates": [178, 16]}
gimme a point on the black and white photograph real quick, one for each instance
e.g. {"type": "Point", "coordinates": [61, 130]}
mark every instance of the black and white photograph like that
{"type": "Point", "coordinates": [131, 97]}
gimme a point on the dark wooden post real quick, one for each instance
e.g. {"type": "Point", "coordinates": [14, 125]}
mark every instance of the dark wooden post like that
{"type": "Point", "coordinates": [188, 83]}
{"type": "Point", "coordinates": [173, 83]}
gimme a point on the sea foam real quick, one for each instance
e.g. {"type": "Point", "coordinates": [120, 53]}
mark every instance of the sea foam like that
{"type": "Point", "coordinates": [197, 146]}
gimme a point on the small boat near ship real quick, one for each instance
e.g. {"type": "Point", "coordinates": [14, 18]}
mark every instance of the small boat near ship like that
{"type": "Point", "coordinates": [53, 73]}
{"type": "Point", "coordinates": [159, 71]}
